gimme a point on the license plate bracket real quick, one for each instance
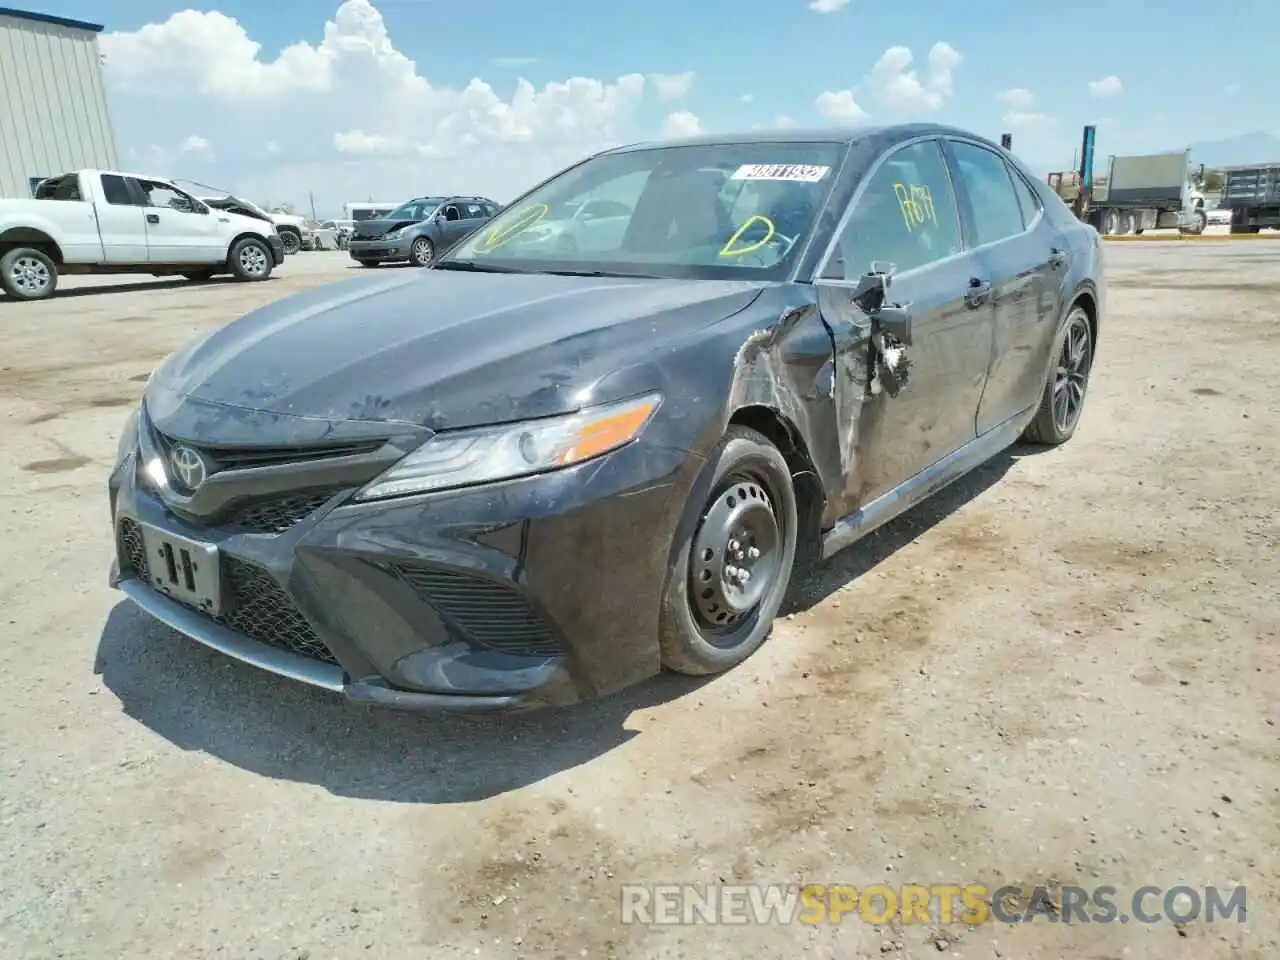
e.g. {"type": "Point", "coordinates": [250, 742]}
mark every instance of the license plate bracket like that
{"type": "Point", "coordinates": [186, 570]}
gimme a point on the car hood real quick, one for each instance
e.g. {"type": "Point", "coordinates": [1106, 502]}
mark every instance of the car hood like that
{"type": "Point", "coordinates": [373, 229]}
{"type": "Point", "coordinates": [434, 348]}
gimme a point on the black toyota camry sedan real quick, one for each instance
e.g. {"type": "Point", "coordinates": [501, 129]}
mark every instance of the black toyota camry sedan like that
{"type": "Point", "coordinates": [597, 438]}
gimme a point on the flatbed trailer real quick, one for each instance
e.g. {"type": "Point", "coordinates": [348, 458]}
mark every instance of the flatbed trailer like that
{"type": "Point", "coordinates": [1253, 194]}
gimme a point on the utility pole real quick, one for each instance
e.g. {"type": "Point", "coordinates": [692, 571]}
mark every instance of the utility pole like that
{"type": "Point", "coordinates": [312, 197]}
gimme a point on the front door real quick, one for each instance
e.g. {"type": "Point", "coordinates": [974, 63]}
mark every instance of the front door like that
{"type": "Point", "coordinates": [907, 215]}
{"type": "Point", "coordinates": [180, 229]}
{"type": "Point", "coordinates": [1007, 231]}
{"type": "Point", "coordinates": [455, 225]}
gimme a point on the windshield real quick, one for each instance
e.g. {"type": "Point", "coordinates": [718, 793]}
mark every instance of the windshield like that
{"type": "Point", "coordinates": [414, 210]}
{"type": "Point", "coordinates": [741, 210]}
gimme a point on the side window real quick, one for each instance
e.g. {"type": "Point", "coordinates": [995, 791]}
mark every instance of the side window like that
{"type": "Point", "coordinates": [163, 195]}
{"type": "Point", "coordinates": [906, 215]}
{"type": "Point", "coordinates": [474, 211]}
{"type": "Point", "coordinates": [997, 214]}
{"type": "Point", "coordinates": [1026, 199]}
{"type": "Point", "coordinates": [451, 213]}
{"type": "Point", "coordinates": [116, 190]}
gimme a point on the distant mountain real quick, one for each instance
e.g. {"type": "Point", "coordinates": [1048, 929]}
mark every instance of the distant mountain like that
{"type": "Point", "coordinates": [1247, 148]}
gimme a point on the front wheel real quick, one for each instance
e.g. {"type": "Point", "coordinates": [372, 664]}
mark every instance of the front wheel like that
{"type": "Point", "coordinates": [422, 252]}
{"type": "Point", "coordinates": [730, 569]}
{"type": "Point", "coordinates": [28, 274]}
{"type": "Point", "coordinates": [291, 240]}
{"type": "Point", "coordinates": [250, 259]}
{"type": "Point", "coordinates": [1063, 399]}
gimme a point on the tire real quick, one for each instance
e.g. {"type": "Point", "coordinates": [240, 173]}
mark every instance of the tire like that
{"type": "Point", "coordinates": [744, 462]}
{"type": "Point", "coordinates": [250, 259]}
{"type": "Point", "coordinates": [199, 276]}
{"type": "Point", "coordinates": [422, 252]}
{"type": "Point", "coordinates": [1048, 427]}
{"type": "Point", "coordinates": [27, 273]}
{"type": "Point", "coordinates": [291, 239]}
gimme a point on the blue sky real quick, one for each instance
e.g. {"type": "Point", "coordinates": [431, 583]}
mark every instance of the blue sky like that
{"type": "Point", "coordinates": [1179, 84]}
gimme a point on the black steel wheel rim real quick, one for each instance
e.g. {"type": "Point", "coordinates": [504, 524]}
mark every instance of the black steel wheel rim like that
{"type": "Point", "coordinates": [736, 557]}
{"type": "Point", "coordinates": [1072, 377]}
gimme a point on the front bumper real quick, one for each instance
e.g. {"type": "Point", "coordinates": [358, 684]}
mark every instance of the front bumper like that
{"type": "Point", "coordinates": [277, 249]}
{"type": "Point", "coordinates": [528, 593]}
{"type": "Point", "coordinates": [379, 251]}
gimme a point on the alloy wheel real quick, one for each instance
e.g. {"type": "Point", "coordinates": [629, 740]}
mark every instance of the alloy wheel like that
{"type": "Point", "coordinates": [1072, 377]}
{"type": "Point", "coordinates": [30, 275]}
{"type": "Point", "coordinates": [422, 252]}
{"type": "Point", "coordinates": [254, 260]}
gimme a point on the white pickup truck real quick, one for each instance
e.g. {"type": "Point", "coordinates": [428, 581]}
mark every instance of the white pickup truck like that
{"type": "Point", "coordinates": [99, 221]}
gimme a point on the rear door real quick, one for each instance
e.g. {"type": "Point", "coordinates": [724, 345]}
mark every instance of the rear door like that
{"type": "Point", "coordinates": [180, 229]}
{"type": "Point", "coordinates": [121, 222]}
{"type": "Point", "coordinates": [907, 214]}
{"type": "Point", "coordinates": [1008, 231]}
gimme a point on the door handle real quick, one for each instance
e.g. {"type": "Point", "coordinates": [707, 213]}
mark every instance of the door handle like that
{"type": "Point", "coordinates": [1056, 258]}
{"type": "Point", "coordinates": [153, 218]}
{"type": "Point", "coordinates": [978, 293]}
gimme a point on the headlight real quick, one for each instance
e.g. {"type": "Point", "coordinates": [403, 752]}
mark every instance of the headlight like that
{"type": "Point", "coordinates": [484, 455]}
{"type": "Point", "coordinates": [395, 234]}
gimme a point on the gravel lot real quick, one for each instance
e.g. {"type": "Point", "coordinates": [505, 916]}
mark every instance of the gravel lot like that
{"type": "Point", "coordinates": [1060, 671]}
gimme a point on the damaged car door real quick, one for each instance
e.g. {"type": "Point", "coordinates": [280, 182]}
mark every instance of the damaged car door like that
{"type": "Point", "coordinates": [908, 392]}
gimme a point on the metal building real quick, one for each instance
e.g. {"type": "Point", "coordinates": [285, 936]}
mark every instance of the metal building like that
{"type": "Point", "coordinates": [53, 104]}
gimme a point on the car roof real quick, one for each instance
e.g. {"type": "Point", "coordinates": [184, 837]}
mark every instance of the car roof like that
{"type": "Point", "coordinates": [887, 134]}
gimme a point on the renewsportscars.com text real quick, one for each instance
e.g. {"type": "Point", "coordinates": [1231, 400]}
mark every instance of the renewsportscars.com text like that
{"type": "Point", "coordinates": [666, 904]}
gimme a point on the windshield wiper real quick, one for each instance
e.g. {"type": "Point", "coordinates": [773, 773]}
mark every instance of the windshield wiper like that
{"type": "Point", "coordinates": [473, 266]}
{"type": "Point", "coordinates": [601, 273]}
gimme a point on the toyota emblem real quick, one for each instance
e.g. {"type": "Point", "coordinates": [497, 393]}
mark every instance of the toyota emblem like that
{"type": "Point", "coordinates": [188, 467]}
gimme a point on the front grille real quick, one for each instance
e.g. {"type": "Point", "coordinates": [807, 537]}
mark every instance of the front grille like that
{"type": "Point", "coordinates": [277, 514]}
{"type": "Point", "coordinates": [486, 613]}
{"type": "Point", "coordinates": [260, 609]}
{"type": "Point", "coordinates": [133, 550]}
{"type": "Point", "coordinates": [242, 458]}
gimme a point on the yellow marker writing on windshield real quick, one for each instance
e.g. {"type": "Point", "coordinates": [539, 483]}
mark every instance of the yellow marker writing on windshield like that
{"type": "Point", "coordinates": [916, 204]}
{"type": "Point", "coordinates": [526, 219]}
{"type": "Point", "coordinates": [729, 250]}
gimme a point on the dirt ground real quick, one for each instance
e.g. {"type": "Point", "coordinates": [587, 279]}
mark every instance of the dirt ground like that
{"type": "Point", "coordinates": [1060, 671]}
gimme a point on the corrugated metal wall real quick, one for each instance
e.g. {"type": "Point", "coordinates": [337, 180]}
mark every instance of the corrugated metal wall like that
{"type": "Point", "coordinates": [53, 105]}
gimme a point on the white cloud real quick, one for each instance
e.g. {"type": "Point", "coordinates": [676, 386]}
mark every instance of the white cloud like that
{"type": "Point", "coordinates": [1018, 98]}
{"type": "Point", "coordinates": [903, 89]}
{"type": "Point", "coordinates": [747, 98]}
{"type": "Point", "coordinates": [782, 120]}
{"type": "Point", "coordinates": [839, 105]}
{"type": "Point", "coordinates": [195, 144]}
{"type": "Point", "coordinates": [671, 86]}
{"type": "Point", "coordinates": [682, 123]}
{"type": "Point", "coordinates": [827, 6]}
{"type": "Point", "coordinates": [351, 113]}
{"type": "Point", "coordinates": [1106, 87]}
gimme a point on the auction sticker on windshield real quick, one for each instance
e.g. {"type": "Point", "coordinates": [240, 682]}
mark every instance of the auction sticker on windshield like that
{"type": "Point", "coordinates": [795, 172]}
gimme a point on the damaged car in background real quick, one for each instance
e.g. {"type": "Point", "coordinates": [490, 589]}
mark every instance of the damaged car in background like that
{"type": "Point", "coordinates": [417, 231]}
{"type": "Point", "coordinates": [537, 473]}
